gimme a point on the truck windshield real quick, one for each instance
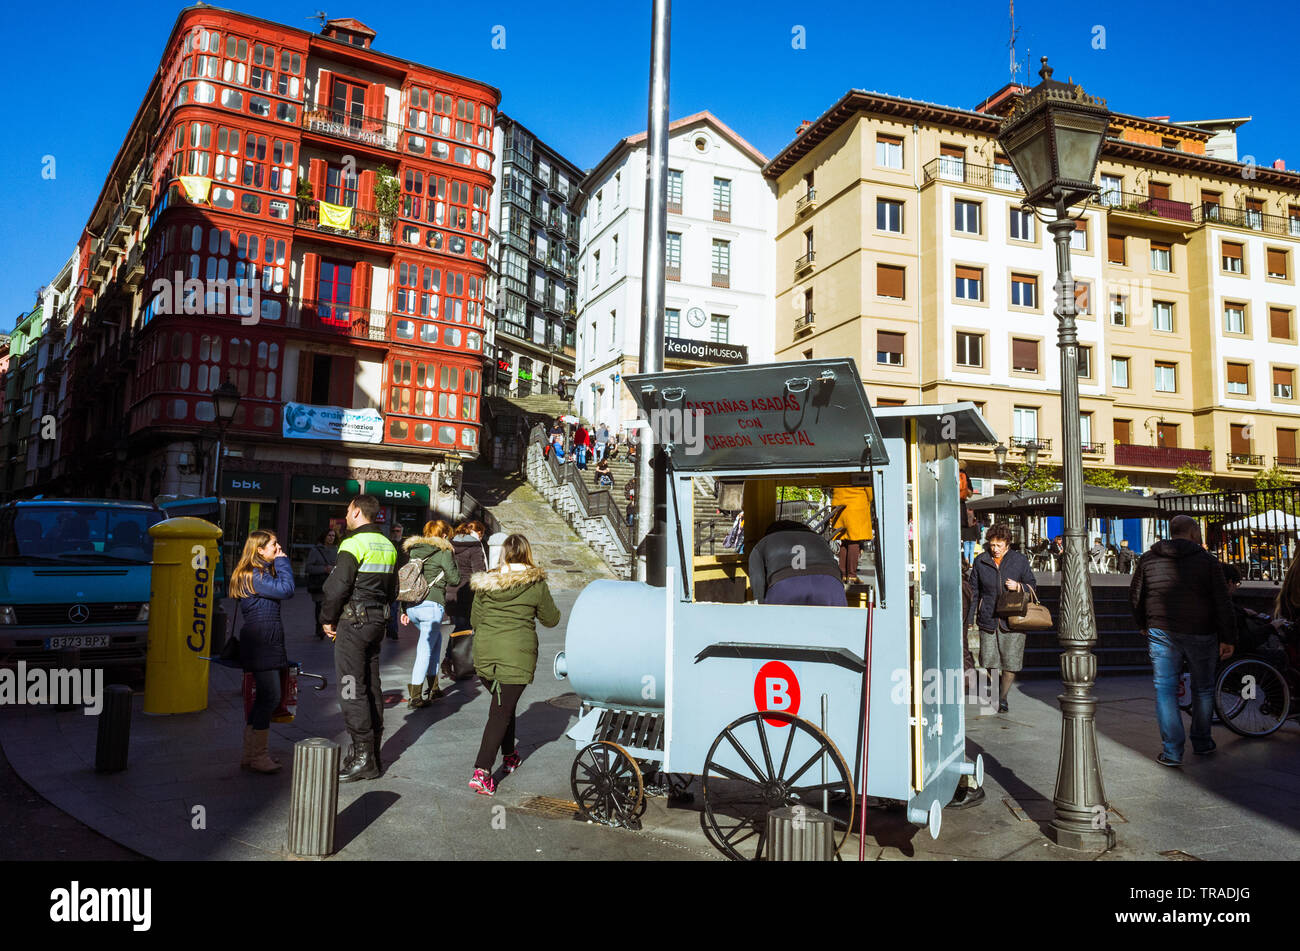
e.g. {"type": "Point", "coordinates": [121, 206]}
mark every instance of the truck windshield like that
{"type": "Point", "coordinates": [77, 534]}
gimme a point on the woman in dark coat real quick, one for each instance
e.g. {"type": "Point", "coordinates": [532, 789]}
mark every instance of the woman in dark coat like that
{"type": "Point", "coordinates": [996, 569]}
{"type": "Point", "coordinates": [320, 562]}
{"type": "Point", "coordinates": [260, 581]}
{"type": "Point", "coordinates": [467, 545]}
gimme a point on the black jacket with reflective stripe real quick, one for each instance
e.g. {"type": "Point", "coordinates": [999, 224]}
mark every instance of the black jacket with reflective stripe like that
{"type": "Point", "coordinates": [366, 572]}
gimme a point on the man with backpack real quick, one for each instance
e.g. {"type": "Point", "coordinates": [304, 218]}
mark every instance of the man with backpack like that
{"type": "Point", "coordinates": [358, 594]}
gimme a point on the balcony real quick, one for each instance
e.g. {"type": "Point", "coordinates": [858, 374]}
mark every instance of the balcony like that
{"type": "Point", "coordinates": [1245, 460]}
{"type": "Point", "coordinates": [805, 263]}
{"type": "Point", "coordinates": [1161, 457]}
{"type": "Point", "coordinates": [1248, 218]}
{"type": "Point", "coordinates": [1023, 442]}
{"type": "Point", "coordinates": [134, 272]}
{"type": "Point", "coordinates": [806, 203]}
{"type": "Point", "coordinates": [1287, 462]}
{"type": "Point", "coordinates": [721, 280]}
{"type": "Point", "coordinates": [948, 169]}
{"type": "Point", "coordinates": [673, 272]}
{"type": "Point", "coordinates": [339, 321]}
{"type": "Point", "coordinates": [364, 130]}
{"type": "Point", "coordinates": [804, 323]}
{"type": "Point", "coordinates": [366, 225]}
{"type": "Point", "coordinates": [1163, 213]}
{"type": "Point", "coordinates": [1094, 448]}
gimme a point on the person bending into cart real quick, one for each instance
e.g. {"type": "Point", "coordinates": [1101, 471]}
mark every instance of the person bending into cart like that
{"type": "Point", "coordinates": [998, 568]}
{"type": "Point", "coordinates": [792, 564]}
{"type": "Point", "coordinates": [508, 603]}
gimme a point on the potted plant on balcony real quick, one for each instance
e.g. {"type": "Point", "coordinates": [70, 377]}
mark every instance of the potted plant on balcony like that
{"type": "Point", "coordinates": [305, 192]}
{"type": "Point", "coordinates": [388, 199]}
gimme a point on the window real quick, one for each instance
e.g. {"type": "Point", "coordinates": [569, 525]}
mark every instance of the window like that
{"type": "Point", "coordinates": [1161, 257]}
{"type": "Point", "coordinates": [1254, 213]}
{"type": "Point", "coordinates": [970, 349]}
{"type": "Point", "coordinates": [1112, 187]}
{"type": "Point", "coordinates": [1167, 435]}
{"type": "Point", "coordinates": [618, 188]}
{"type": "Point", "coordinates": [1024, 355]}
{"type": "Point", "coordinates": [889, 348]}
{"type": "Point", "coordinates": [966, 216]}
{"type": "Point", "coordinates": [1283, 383]}
{"type": "Point", "coordinates": [1122, 431]}
{"type": "Point", "coordinates": [1166, 377]}
{"type": "Point", "coordinates": [1279, 323]}
{"type": "Point", "coordinates": [1083, 297]}
{"type": "Point", "coordinates": [721, 263]}
{"type": "Point", "coordinates": [970, 283]}
{"type": "Point", "coordinates": [1119, 310]}
{"type": "Point", "coordinates": [721, 199]}
{"type": "Point", "coordinates": [1277, 263]}
{"type": "Point", "coordinates": [719, 328]}
{"type": "Point", "coordinates": [1079, 236]}
{"type": "Point", "coordinates": [890, 281]}
{"type": "Point", "coordinates": [1024, 290]}
{"type": "Point", "coordinates": [613, 327]}
{"type": "Point", "coordinates": [1115, 249]}
{"type": "Point", "coordinates": [1162, 315]}
{"type": "Point", "coordinates": [889, 151]}
{"type": "Point", "coordinates": [1239, 439]}
{"type": "Point", "coordinates": [1119, 372]}
{"type": "Point", "coordinates": [1239, 379]}
{"type": "Point", "coordinates": [599, 199]}
{"type": "Point", "coordinates": [1232, 258]}
{"type": "Point", "coordinates": [674, 191]}
{"type": "Point", "coordinates": [1210, 202]}
{"type": "Point", "coordinates": [889, 215]}
{"type": "Point", "coordinates": [674, 255]}
{"type": "Point", "coordinates": [1022, 225]}
{"type": "Point", "coordinates": [595, 268]}
{"type": "Point", "coordinates": [1234, 318]}
{"type": "Point", "coordinates": [672, 322]}
{"type": "Point", "coordinates": [1085, 366]}
{"type": "Point", "coordinates": [613, 255]}
{"type": "Point", "coordinates": [1024, 423]}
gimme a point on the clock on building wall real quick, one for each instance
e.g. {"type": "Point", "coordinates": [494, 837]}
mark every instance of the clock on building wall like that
{"type": "Point", "coordinates": [695, 316]}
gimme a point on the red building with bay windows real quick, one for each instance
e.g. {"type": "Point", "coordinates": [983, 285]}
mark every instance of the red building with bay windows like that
{"type": "Point", "coordinates": [312, 226]}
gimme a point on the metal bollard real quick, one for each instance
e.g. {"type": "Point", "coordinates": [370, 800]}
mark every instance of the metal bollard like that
{"type": "Point", "coordinates": [315, 798]}
{"type": "Point", "coordinates": [800, 834]}
{"type": "Point", "coordinates": [113, 736]}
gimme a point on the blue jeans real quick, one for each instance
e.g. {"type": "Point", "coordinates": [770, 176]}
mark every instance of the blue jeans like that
{"type": "Point", "coordinates": [427, 616]}
{"type": "Point", "coordinates": [969, 548]}
{"type": "Point", "coordinates": [1168, 650]}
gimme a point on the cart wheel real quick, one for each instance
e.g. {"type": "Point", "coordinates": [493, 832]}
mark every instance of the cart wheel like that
{"type": "Point", "coordinates": [738, 797]}
{"type": "Point", "coordinates": [1251, 697]}
{"type": "Point", "coordinates": [607, 785]}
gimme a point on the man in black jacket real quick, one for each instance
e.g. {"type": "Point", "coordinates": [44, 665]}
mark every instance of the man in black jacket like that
{"type": "Point", "coordinates": [357, 597]}
{"type": "Point", "coordinates": [1179, 597]}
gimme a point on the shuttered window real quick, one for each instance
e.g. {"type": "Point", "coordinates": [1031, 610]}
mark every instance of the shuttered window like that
{"type": "Point", "coordinates": [1024, 355]}
{"type": "Point", "coordinates": [1240, 443]}
{"type": "Point", "coordinates": [1115, 248]}
{"type": "Point", "coordinates": [889, 348]}
{"type": "Point", "coordinates": [1083, 297]}
{"type": "Point", "coordinates": [1283, 381]}
{"type": "Point", "coordinates": [970, 283]}
{"type": "Point", "coordinates": [1232, 257]}
{"type": "Point", "coordinates": [1239, 379]}
{"type": "Point", "coordinates": [889, 281]}
{"type": "Point", "coordinates": [1279, 322]}
{"type": "Point", "coordinates": [1286, 444]}
{"type": "Point", "coordinates": [1158, 190]}
{"type": "Point", "coordinates": [1122, 431]}
{"type": "Point", "coordinates": [1276, 262]}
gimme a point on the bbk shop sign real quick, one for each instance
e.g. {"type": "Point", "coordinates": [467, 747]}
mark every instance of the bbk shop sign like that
{"type": "Point", "coordinates": [705, 351]}
{"type": "Point", "coordinates": [324, 489]}
{"type": "Point", "coordinates": [250, 485]}
{"type": "Point", "coordinates": [399, 493]}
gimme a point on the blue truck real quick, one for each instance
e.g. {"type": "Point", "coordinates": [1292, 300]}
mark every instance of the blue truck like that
{"type": "Point", "coordinates": [74, 574]}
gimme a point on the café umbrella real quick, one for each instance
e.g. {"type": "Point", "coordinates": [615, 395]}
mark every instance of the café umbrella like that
{"type": "Point", "coordinates": [1274, 520]}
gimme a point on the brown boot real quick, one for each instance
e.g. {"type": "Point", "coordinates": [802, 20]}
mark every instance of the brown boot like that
{"type": "Point", "coordinates": [433, 692]}
{"type": "Point", "coordinates": [415, 696]}
{"type": "Point", "coordinates": [261, 761]}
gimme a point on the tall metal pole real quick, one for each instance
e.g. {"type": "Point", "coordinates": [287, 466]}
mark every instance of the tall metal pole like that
{"type": "Point", "coordinates": [1081, 820]}
{"type": "Point", "coordinates": [649, 530]}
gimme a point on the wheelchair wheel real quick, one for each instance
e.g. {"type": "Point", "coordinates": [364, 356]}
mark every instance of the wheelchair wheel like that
{"type": "Point", "coordinates": [1252, 697]}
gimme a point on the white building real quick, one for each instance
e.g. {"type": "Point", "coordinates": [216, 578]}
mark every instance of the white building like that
{"type": "Point", "coordinates": [720, 261]}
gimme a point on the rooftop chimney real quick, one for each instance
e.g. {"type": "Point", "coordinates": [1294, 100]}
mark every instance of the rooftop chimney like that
{"type": "Point", "coordinates": [803, 127]}
{"type": "Point", "coordinates": [1279, 164]}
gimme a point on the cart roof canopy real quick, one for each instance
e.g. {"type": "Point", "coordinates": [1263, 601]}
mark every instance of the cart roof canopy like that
{"type": "Point", "coordinates": [1113, 503]}
{"type": "Point", "coordinates": [811, 414]}
{"type": "Point", "coordinates": [943, 422]}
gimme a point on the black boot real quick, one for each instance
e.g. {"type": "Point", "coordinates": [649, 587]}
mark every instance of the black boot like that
{"type": "Point", "coordinates": [364, 765]}
{"type": "Point", "coordinates": [379, 745]}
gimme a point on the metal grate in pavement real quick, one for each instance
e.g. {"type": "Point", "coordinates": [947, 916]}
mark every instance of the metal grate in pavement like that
{"type": "Point", "coordinates": [549, 807]}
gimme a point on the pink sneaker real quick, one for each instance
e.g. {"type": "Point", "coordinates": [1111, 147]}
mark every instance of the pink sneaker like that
{"type": "Point", "coordinates": [512, 762]}
{"type": "Point", "coordinates": [482, 783]}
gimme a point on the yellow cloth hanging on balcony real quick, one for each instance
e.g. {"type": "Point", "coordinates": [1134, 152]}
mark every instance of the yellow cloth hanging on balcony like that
{"type": "Point", "coordinates": [336, 216]}
{"type": "Point", "coordinates": [196, 188]}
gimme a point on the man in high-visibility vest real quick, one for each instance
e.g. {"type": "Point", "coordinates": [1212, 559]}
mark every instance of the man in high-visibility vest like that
{"type": "Point", "coordinates": [358, 593]}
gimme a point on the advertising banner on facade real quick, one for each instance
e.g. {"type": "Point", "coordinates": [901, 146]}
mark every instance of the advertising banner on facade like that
{"type": "Point", "coordinates": [302, 421]}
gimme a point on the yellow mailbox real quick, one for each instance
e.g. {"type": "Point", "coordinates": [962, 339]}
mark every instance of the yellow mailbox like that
{"type": "Point", "coordinates": [180, 615]}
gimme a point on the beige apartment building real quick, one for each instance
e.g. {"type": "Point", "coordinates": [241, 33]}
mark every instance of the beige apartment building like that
{"type": "Point", "coordinates": [901, 243]}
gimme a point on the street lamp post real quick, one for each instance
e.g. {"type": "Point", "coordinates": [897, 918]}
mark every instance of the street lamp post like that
{"type": "Point", "coordinates": [1053, 139]}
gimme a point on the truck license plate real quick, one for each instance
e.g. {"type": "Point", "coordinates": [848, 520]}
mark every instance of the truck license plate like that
{"type": "Point", "coordinates": [76, 640]}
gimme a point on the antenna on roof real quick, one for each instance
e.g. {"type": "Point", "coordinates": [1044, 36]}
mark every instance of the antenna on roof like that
{"type": "Point", "coordinates": [320, 15]}
{"type": "Point", "coordinates": [1015, 67]}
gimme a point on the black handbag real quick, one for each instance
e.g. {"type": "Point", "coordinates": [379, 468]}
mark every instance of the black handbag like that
{"type": "Point", "coordinates": [459, 662]}
{"type": "Point", "coordinates": [229, 655]}
{"type": "Point", "coordinates": [1011, 603]}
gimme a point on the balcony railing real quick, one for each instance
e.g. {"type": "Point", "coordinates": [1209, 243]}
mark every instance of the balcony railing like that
{"type": "Point", "coordinates": [673, 272]}
{"type": "Point", "coordinates": [948, 169]}
{"type": "Point", "coordinates": [366, 225]}
{"type": "Point", "coordinates": [722, 214]}
{"type": "Point", "coordinates": [804, 322]}
{"type": "Point", "coordinates": [1094, 448]}
{"type": "Point", "coordinates": [366, 130]}
{"type": "Point", "coordinates": [1287, 462]}
{"type": "Point", "coordinates": [1245, 459]}
{"type": "Point", "coordinates": [332, 319]}
{"type": "Point", "coordinates": [1161, 457]}
{"type": "Point", "coordinates": [1023, 442]}
{"type": "Point", "coordinates": [805, 262]}
{"type": "Point", "coordinates": [806, 202]}
{"type": "Point", "coordinates": [1165, 208]}
{"type": "Point", "coordinates": [1248, 218]}
{"type": "Point", "coordinates": [721, 280]}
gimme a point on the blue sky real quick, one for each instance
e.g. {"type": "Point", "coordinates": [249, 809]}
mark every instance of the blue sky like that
{"type": "Point", "coordinates": [575, 73]}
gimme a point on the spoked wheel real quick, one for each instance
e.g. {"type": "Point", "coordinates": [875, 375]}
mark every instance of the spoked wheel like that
{"type": "Point", "coordinates": [765, 761]}
{"type": "Point", "coordinates": [607, 785]}
{"type": "Point", "coordinates": [1252, 697]}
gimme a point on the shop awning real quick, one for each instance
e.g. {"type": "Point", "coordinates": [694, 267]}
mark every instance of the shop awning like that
{"type": "Point", "coordinates": [1099, 502]}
